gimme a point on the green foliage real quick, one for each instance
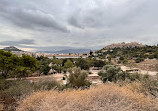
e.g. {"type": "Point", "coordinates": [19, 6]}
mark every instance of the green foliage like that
{"type": "Point", "coordinates": [14, 66]}
{"type": "Point", "coordinates": [136, 53]}
{"type": "Point", "coordinates": [134, 77]}
{"type": "Point", "coordinates": [68, 64]}
{"type": "Point", "coordinates": [138, 60]}
{"type": "Point", "coordinates": [111, 73]}
{"type": "Point", "coordinates": [98, 63]}
{"type": "Point", "coordinates": [57, 65]}
{"type": "Point", "coordinates": [77, 78]}
{"type": "Point", "coordinates": [43, 64]}
{"type": "Point", "coordinates": [149, 85]}
{"type": "Point", "coordinates": [83, 64]}
{"type": "Point", "coordinates": [45, 69]}
{"type": "Point", "coordinates": [45, 84]}
{"type": "Point", "coordinates": [18, 88]}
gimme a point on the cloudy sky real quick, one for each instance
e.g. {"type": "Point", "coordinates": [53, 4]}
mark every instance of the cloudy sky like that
{"type": "Point", "coordinates": [45, 24]}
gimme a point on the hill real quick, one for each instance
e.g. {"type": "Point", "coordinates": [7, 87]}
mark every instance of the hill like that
{"type": "Point", "coordinates": [124, 45]}
{"type": "Point", "coordinates": [128, 53]}
{"type": "Point", "coordinates": [11, 48]}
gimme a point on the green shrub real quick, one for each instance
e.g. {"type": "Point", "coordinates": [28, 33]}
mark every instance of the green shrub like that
{"type": "Point", "coordinates": [78, 78]}
{"type": "Point", "coordinates": [111, 73]}
{"type": "Point", "coordinates": [138, 60]}
{"type": "Point", "coordinates": [45, 84]}
{"type": "Point", "coordinates": [134, 77]}
{"type": "Point", "coordinates": [19, 88]}
{"type": "Point", "coordinates": [22, 88]}
{"type": "Point", "coordinates": [16, 88]}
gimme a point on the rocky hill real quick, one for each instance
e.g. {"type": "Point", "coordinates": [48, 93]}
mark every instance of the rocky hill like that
{"type": "Point", "coordinates": [11, 48]}
{"type": "Point", "coordinates": [124, 45]}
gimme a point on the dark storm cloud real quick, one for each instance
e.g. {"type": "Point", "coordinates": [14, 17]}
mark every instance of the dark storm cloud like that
{"type": "Point", "coordinates": [29, 18]}
{"type": "Point", "coordinates": [18, 43]}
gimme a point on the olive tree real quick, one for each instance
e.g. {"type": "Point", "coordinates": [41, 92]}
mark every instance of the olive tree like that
{"type": "Point", "coordinates": [78, 78]}
{"type": "Point", "coordinates": [111, 73]}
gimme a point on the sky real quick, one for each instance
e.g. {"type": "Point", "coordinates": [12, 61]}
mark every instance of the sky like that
{"type": "Point", "coordinates": [36, 25]}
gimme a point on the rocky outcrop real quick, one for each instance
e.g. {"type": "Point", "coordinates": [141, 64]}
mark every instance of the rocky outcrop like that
{"type": "Point", "coordinates": [124, 45]}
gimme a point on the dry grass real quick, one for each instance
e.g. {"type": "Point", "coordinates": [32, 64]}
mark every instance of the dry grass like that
{"type": "Point", "coordinates": [110, 97]}
{"type": "Point", "coordinates": [1, 107]}
{"type": "Point", "coordinates": [148, 64]}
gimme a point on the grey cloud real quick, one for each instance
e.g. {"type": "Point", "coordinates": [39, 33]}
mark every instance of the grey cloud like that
{"type": "Point", "coordinates": [18, 43]}
{"type": "Point", "coordinates": [104, 15]}
{"type": "Point", "coordinates": [74, 22]}
{"type": "Point", "coordinates": [29, 18]}
{"type": "Point", "coordinates": [92, 23]}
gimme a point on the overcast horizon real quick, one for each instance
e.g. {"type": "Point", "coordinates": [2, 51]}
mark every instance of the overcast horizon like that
{"type": "Point", "coordinates": [88, 24]}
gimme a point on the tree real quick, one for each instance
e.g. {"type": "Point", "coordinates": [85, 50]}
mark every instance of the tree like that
{"type": "Point", "coordinates": [68, 64]}
{"type": "Point", "coordinates": [45, 69]}
{"type": "Point", "coordinates": [83, 64]}
{"type": "Point", "coordinates": [13, 66]}
{"type": "Point", "coordinates": [8, 63]}
{"type": "Point", "coordinates": [111, 73]}
{"type": "Point", "coordinates": [29, 62]}
{"type": "Point", "coordinates": [77, 78]}
{"type": "Point", "coordinates": [57, 65]}
{"type": "Point", "coordinates": [98, 63]}
{"type": "Point", "coordinates": [27, 66]}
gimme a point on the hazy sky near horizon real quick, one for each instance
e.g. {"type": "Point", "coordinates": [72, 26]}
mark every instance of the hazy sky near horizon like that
{"type": "Point", "coordinates": [33, 24]}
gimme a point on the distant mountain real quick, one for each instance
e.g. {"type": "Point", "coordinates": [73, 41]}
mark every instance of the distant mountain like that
{"type": "Point", "coordinates": [11, 48]}
{"type": "Point", "coordinates": [66, 51]}
{"type": "Point", "coordinates": [81, 51]}
{"type": "Point", "coordinates": [124, 45]}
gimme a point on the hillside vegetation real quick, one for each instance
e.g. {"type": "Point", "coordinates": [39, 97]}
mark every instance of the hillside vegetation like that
{"type": "Point", "coordinates": [138, 54]}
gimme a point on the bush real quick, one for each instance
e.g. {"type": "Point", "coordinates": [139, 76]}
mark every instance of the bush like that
{"type": "Point", "coordinates": [45, 69]}
{"type": "Point", "coordinates": [134, 77]}
{"type": "Point", "coordinates": [22, 88]}
{"type": "Point", "coordinates": [82, 63]}
{"type": "Point", "coordinates": [78, 78]}
{"type": "Point", "coordinates": [45, 84]}
{"type": "Point", "coordinates": [138, 60]}
{"type": "Point", "coordinates": [16, 88]}
{"type": "Point", "coordinates": [111, 73]}
{"type": "Point", "coordinates": [98, 63]}
{"type": "Point", "coordinates": [150, 86]}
